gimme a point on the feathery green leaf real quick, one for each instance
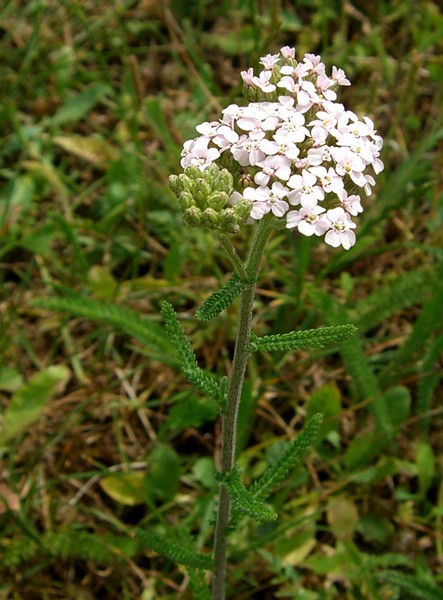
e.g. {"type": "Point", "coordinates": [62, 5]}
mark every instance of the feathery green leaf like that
{"type": "Point", "coordinates": [127, 320]}
{"type": "Point", "coordinates": [221, 299]}
{"type": "Point", "coordinates": [205, 382]}
{"type": "Point", "coordinates": [177, 553]}
{"type": "Point", "coordinates": [406, 289]}
{"type": "Point", "coordinates": [197, 583]}
{"type": "Point", "coordinates": [429, 380]}
{"type": "Point", "coordinates": [418, 588]}
{"type": "Point", "coordinates": [275, 474]}
{"type": "Point", "coordinates": [300, 340]}
{"type": "Point", "coordinates": [243, 499]}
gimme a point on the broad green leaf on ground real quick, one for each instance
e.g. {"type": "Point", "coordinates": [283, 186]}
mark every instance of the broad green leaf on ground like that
{"type": "Point", "coordinates": [425, 460]}
{"type": "Point", "coordinates": [94, 150]}
{"type": "Point", "coordinates": [325, 400]}
{"type": "Point", "coordinates": [125, 488]}
{"type": "Point", "coordinates": [163, 475]}
{"type": "Point", "coordinates": [102, 282]}
{"type": "Point", "coordinates": [342, 516]}
{"type": "Point", "coordinates": [30, 400]}
{"type": "Point", "coordinates": [79, 105]}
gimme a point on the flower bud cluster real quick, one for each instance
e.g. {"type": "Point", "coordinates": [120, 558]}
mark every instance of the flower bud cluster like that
{"type": "Point", "coordinates": [294, 150]}
{"type": "Point", "coordinates": [204, 197]}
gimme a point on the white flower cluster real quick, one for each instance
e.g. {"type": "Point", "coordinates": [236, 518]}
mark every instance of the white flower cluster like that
{"type": "Point", "coordinates": [297, 152]}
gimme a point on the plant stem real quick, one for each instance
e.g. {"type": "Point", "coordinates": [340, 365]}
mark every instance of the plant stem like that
{"type": "Point", "coordinates": [230, 416]}
{"type": "Point", "coordinates": [231, 253]}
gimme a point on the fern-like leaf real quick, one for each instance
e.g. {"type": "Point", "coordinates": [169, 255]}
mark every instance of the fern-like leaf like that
{"type": "Point", "coordinates": [415, 587]}
{"type": "Point", "coordinates": [406, 289]}
{"type": "Point", "coordinates": [77, 544]}
{"type": "Point", "coordinates": [243, 500]}
{"type": "Point", "coordinates": [429, 380]}
{"type": "Point", "coordinates": [301, 340]}
{"type": "Point", "coordinates": [127, 320]}
{"type": "Point", "coordinates": [198, 585]}
{"type": "Point", "coordinates": [177, 553]}
{"type": "Point", "coordinates": [275, 474]}
{"type": "Point", "coordinates": [205, 382]}
{"type": "Point", "coordinates": [221, 299]}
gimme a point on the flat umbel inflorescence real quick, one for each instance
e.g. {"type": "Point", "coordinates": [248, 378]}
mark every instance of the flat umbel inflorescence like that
{"type": "Point", "coordinates": [293, 150]}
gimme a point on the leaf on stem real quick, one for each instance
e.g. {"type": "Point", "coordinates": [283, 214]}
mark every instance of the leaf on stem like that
{"type": "Point", "coordinates": [301, 340]}
{"type": "Point", "coordinates": [221, 299]}
{"type": "Point", "coordinates": [243, 500]}
{"type": "Point", "coordinates": [275, 474]}
{"type": "Point", "coordinates": [178, 553]}
{"type": "Point", "coordinates": [127, 320]}
{"type": "Point", "coordinates": [205, 382]}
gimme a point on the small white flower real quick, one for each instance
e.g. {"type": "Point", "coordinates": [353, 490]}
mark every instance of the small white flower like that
{"type": "Point", "coordinates": [314, 63]}
{"type": "Point", "coordinates": [287, 52]}
{"type": "Point", "coordinates": [248, 76]}
{"type": "Point", "coordinates": [318, 156]}
{"type": "Point", "coordinates": [348, 163]}
{"type": "Point", "coordinates": [340, 232]}
{"type": "Point", "coordinates": [263, 81]}
{"type": "Point", "coordinates": [273, 198]}
{"type": "Point", "coordinates": [199, 155]}
{"type": "Point", "coordinates": [339, 76]}
{"type": "Point", "coordinates": [273, 166]}
{"type": "Point", "coordinates": [269, 61]}
{"type": "Point", "coordinates": [293, 128]}
{"type": "Point", "coordinates": [308, 220]}
{"type": "Point", "coordinates": [306, 192]}
{"type": "Point", "coordinates": [330, 181]}
{"type": "Point", "coordinates": [351, 204]}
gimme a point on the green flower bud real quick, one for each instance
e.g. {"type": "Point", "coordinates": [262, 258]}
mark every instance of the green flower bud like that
{"type": "Point", "coordinates": [243, 210]}
{"type": "Point", "coordinates": [218, 200]}
{"type": "Point", "coordinates": [186, 200]}
{"type": "Point", "coordinates": [193, 216]}
{"type": "Point", "coordinates": [202, 191]}
{"type": "Point", "coordinates": [185, 183]}
{"type": "Point", "coordinates": [228, 220]}
{"type": "Point", "coordinates": [174, 184]}
{"type": "Point", "coordinates": [210, 218]}
{"type": "Point", "coordinates": [224, 181]}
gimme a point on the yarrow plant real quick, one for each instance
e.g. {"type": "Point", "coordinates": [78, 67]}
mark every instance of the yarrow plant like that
{"type": "Point", "coordinates": [294, 150]}
{"type": "Point", "coordinates": [293, 157]}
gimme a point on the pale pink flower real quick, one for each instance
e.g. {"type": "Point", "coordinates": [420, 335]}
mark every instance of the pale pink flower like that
{"type": "Point", "coordinates": [208, 129]}
{"type": "Point", "coordinates": [339, 76]}
{"type": "Point", "coordinates": [308, 220]}
{"type": "Point", "coordinates": [326, 156]}
{"type": "Point", "coordinates": [247, 151]}
{"type": "Point", "coordinates": [351, 204]}
{"type": "Point", "coordinates": [340, 232]}
{"type": "Point", "coordinates": [319, 156]}
{"type": "Point", "coordinates": [273, 166]}
{"type": "Point", "coordinates": [225, 137]}
{"type": "Point", "coordinates": [306, 192]}
{"type": "Point", "coordinates": [263, 81]}
{"type": "Point", "coordinates": [348, 163]}
{"type": "Point", "coordinates": [287, 52]}
{"type": "Point", "coordinates": [286, 147]}
{"type": "Point", "coordinates": [269, 61]}
{"type": "Point", "coordinates": [273, 198]}
{"type": "Point", "coordinates": [248, 76]}
{"type": "Point", "coordinates": [293, 128]}
{"type": "Point", "coordinates": [314, 63]}
{"type": "Point", "coordinates": [330, 181]}
{"type": "Point", "coordinates": [199, 155]}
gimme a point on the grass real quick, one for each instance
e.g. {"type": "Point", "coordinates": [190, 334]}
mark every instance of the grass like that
{"type": "Point", "coordinates": [101, 436]}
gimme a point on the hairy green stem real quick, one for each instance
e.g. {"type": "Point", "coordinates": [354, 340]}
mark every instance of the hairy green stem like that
{"type": "Point", "coordinates": [230, 416]}
{"type": "Point", "coordinates": [231, 253]}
